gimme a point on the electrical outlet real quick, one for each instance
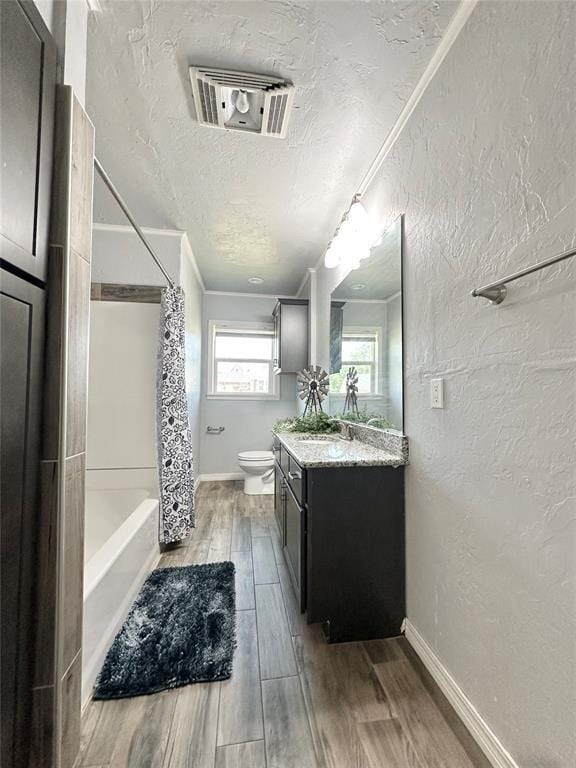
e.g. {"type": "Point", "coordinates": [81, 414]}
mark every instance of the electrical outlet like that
{"type": "Point", "coordinates": [437, 393]}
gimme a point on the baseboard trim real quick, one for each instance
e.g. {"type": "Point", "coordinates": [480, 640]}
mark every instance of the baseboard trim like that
{"type": "Point", "coordinates": [219, 477]}
{"type": "Point", "coordinates": [472, 719]}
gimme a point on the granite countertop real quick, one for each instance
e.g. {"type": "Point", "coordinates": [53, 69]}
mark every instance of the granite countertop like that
{"type": "Point", "coordinates": [333, 451]}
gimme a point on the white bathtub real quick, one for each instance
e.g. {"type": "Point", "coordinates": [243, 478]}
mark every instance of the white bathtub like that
{"type": "Point", "coordinates": [121, 548]}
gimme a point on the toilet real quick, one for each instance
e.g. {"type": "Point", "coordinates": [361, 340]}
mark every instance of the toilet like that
{"type": "Point", "coordinates": [259, 471]}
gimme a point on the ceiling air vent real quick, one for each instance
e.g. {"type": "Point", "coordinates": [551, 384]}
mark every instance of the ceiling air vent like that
{"type": "Point", "coordinates": [241, 101]}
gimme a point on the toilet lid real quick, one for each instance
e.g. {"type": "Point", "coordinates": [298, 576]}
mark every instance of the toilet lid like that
{"type": "Point", "coordinates": [256, 456]}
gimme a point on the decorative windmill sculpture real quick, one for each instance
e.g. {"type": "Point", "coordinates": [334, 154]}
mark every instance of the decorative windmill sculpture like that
{"type": "Point", "coordinates": [351, 402]}
{"type": "Point", "coordinates": [313, 385]}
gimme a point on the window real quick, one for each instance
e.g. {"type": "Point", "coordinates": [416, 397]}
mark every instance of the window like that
{"type": "Point", "coordinates": [360, 349]}
{"type": "Point", "coordinates": [240, 364]}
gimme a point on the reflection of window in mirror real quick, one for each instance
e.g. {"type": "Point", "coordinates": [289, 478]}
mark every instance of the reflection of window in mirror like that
{"type": "Point", "coordinates": [361, 348]}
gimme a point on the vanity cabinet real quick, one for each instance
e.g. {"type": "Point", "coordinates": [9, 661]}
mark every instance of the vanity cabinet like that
{"type": "Point", "coordinates": [279, 491]}
{"type": "Point", "coordinates": [295, 544]}
{"type": "Point", "coordinates": [290, 335]}
{"type": "Point", "coordinates": [343, 539]}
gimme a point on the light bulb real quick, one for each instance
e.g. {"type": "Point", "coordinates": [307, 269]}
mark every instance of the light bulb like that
{"type": "Point", "coordinates": [357, 215]}
{"type": "Point", "coordinates": [345, 232]}
{"type": "Point", "coordinates": [242, 102]}
{"type": "Point", "coordinates": [332, 256]}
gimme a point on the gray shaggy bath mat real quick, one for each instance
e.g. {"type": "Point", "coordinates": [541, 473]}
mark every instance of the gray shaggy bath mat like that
{"type": "Point", "coordinates": [181, 629]}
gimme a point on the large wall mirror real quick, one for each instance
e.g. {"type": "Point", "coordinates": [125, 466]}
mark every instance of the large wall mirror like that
{"type": "Point", "coordinates": [366, 338]}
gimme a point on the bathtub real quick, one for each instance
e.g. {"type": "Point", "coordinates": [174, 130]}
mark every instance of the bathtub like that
{"type": "Point", "coordinates": [121, 548]}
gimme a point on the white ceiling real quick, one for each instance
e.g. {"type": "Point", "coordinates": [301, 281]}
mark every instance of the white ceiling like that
{"type": "Point", "coordinates": [251, 205]}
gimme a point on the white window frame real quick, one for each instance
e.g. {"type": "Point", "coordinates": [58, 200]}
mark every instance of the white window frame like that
{"type": "Point", "coordinates": [363, 330]}
{"type": "Point", "coordinates": [231, 325]}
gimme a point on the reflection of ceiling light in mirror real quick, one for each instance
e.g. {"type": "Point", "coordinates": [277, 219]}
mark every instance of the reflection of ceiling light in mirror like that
{"type": "Point", "coordinates": [256, 280]}
{"type": "Point", "coordinates": [350, 258]}
{"type": "Point", "coordinates": [358, 287]}
{"type": "Point", "coordinates": [377, 241]}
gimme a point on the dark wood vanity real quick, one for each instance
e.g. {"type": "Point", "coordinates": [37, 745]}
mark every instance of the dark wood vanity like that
{"type": "Point", "coordinates": [342, 532]}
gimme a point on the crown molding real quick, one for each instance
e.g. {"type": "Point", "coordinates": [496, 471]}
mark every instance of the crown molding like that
{"type": "Point", "coordinates": [449, 38]}
{"type": "Point", "coordinates": [307, 276]}
{"type": "Point", "coordinates": [453, 30]}
{"type": "Point", "coordinates": [192, 259]}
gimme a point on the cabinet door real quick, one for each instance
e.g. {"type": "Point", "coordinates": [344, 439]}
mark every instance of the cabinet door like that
{"type": "Point", "coordinates": [293, 354]}
{"type": "Point", "coordinates": [28, 83]}
{"type": "Point", "coordinates": [279, 493]}
{"type": "Point", "coordinates": [295, 545]}
{"type": "Point", "coordinates": [21, 347]}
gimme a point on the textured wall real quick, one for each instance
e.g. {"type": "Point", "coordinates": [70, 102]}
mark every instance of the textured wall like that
{"type": "Point", "coordinates": [120, 256]}
{"type": "Point", "coordinates": [248, 423]}
{"type": "Point", "coordinates": [485, 172]}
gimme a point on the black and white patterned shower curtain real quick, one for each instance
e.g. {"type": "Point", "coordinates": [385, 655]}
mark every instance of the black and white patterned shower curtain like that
{"type": "Point", "coordinates": [176, 478]}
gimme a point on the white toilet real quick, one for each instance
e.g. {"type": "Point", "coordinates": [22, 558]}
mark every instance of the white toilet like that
{"type": "Point", "coordinates": [259, 469]}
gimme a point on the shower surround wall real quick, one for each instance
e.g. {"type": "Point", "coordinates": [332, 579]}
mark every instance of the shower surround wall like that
{"type": "Point", "coordinates": [122, 387]}
{"type": "Point", "coordinates": [485, 172]}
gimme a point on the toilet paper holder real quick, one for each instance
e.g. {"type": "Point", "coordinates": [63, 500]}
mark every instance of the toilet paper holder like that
{"type": "Point", "coordinates": [214, 430]}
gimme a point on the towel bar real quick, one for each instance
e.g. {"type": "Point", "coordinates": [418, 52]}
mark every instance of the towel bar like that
{"type": "Point", "coordinates": [496, 292]}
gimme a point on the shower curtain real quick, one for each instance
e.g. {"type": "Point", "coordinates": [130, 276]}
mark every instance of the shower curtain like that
{"type": "Point", "coordinates": [176, 479]}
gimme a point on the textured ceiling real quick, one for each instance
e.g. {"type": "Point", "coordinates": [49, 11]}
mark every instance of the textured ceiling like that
{"type": "Point", "coordinates": [251, 205]}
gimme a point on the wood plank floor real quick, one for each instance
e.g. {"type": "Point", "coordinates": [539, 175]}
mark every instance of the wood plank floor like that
{"type": "Point", "coordinates": [293, 700]}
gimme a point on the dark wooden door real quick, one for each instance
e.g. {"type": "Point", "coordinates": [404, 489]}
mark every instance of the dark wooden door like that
{"type": "Point", "coordinates": [21, 347]}
{"type": "Point", "coordinates": [27, 98]}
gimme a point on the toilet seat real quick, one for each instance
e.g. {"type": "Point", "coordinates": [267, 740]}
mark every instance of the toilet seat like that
{"type": "Point", "coordinates": [256, 456]}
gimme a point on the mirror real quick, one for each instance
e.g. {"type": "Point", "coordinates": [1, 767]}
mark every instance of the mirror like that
{"type": "Point", "coordinates": [366, 338]}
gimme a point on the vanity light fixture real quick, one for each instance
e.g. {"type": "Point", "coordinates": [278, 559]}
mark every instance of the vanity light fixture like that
{"type": "Point", "coordinates": [357, 214]}
{"type": "Point", "coordinates": [332, 256]}
{"type": "Point", "coordinates": [352, 240]}
{"type": "Point", "coordinates": [256, 280]}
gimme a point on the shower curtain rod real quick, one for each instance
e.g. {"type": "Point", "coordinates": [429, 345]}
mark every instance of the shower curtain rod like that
{"type": "Point", "coordinates": [126, 211]}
